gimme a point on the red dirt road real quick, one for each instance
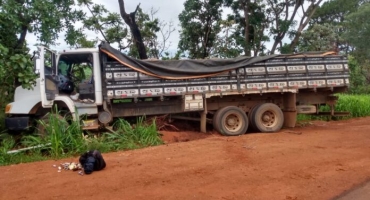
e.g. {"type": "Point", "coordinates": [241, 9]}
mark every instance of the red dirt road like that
{"type": "Point", "coordinates": [319, 161]}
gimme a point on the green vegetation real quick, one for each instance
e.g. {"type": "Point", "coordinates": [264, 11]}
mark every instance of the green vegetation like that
{"type": "Point", "coordinates": [62, 140]}
{"type": "Point", "coordinates": [357, 104]}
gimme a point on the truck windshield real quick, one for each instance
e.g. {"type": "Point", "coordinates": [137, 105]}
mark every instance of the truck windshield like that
{"type": "Point", "coordinates": [63, 68]}
{"type": "Point", "coordinates": [77, 67]}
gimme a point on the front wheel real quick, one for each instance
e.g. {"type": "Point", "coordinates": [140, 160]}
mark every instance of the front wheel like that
{"type": "Point", "coordinates": [267, 118]}
{"type": "Point", "coordinates": [230, 121]}
{"type": "Point", "coordinates": [49, 122]}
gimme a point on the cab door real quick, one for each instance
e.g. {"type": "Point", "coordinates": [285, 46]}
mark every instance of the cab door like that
{"type": "Point", "coordinates": [48, 77]}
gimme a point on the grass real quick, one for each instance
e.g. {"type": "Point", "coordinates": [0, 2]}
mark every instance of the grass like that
{"type": "Point", "coordinates": [357, 105]}
{"type": "Point", "coordinates": [65, 140]}
{"type": "Point", "coordinates": [136, 136]}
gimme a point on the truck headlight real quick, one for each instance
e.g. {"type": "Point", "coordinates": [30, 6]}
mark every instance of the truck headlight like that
{"type": "Point", "coordinates": [8, 108]}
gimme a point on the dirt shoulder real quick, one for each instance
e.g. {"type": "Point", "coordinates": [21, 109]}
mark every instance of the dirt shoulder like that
{"type": "Point", "coordinates": [319, 161]}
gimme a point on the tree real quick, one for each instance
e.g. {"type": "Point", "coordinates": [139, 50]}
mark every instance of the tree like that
{"type": "Point", "coordinates": [333, 12]}
{"type": "Point", "coordinates": [148, 26]}
{"type": "Point", "coordinates": [200, 22]}
{"type": "Point", "coordinates": [151, 28]}
{"type": "Point", "coordinates": [319, 38]}
{"type": "Point", "coordinates": [305, 19]}
{"type": "Point", "coordinates": [44, 18]}
{"type": "Point", "coordinates": [229, 43]}
{"type": "Point", "coordinates": [278, 18]}
{"type": "Point", "coordinates": [251, 24]}
{"type": "Point", "coordinates": [357, 33]}
{"type": "Point", "coordinates": [113, 29]}
{"type": "Point", "coordinates": [130, 20]}
{"type": "Point", "coordinates": [109, 25]}
{"type": "Point", "coordinates": [14, 68]}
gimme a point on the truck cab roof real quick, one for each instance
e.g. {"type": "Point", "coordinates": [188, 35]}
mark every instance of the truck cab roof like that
{"type": "Point", "coordinates": [80, 50]}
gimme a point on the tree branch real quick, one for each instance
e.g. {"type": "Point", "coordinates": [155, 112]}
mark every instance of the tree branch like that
{"type": "Point", "coordinates": [137, 8]}
{"type": "Point", "coordinates": [135, 31]}
{"type": "Point", "coordinates": [307, 15]}
{"type": "Point", "coordinates": [97, 23]}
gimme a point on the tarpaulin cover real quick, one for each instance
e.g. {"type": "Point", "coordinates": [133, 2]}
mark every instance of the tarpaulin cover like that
{"type": "Point", "coordinates": [180, 69]}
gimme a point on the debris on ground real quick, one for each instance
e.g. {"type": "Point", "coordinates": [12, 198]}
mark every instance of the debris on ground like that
{"type": "Point", "coordinates": [162, 122]}
{"type": "Point", "coordinates": [71, 166]}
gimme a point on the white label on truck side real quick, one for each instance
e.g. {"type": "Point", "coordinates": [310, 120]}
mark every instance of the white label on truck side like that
{"type": "Point", "coordinates": [334, 67]}
{"type": "Point", "coordinates": [347, 81]}
{"type": "Point", "coordinates": [220, 88]}
{"type": "Point", "coordinates": [276, 69]}
{"type": "Point", "coordinates": [334, 82]}
{"type": "Point", "coordinates": [126, 93]}
{"type": "Point", "coordinates": [256, 86]}
{"type": "Point", "coordinates": [297, 84]}
{"type": "Point", "coordinates": [317, 83]}
{"type": "Point", "coordinates": [235, 86]}
{"type": "Point", "coordinates": [108, 75]}
{"type": "Point", "coordinates": [151, 91]}
{"type": "Point", "coordinates": [237, 71]}
{"type": "Point", "coordinates": [197, 89]}
{"type": "Point", "coordinates": [296, 68]}
{"type": "Point", "coordinates": [255, 70]}
{"type": "Point", "coordinates": [316, 68]}
{"type": "Point", "coordinates": [277, 84]}
{"type": "Point", "coordinates": [174, 90]}
{"type": "Point", "coordinates": [110, 93]}
{"type": "Point", "coordinates": [125, 75]}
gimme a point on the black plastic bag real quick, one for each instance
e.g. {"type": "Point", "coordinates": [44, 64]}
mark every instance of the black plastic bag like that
{"type": "Point", "coordinates": [92, 161]}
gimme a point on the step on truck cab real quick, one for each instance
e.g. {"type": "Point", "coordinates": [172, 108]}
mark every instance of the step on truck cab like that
{"type": "Point", "coordinates": [263, 93]}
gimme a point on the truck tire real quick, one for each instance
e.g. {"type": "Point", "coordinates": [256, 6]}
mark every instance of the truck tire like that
{"type": "Point", "coordinates": [214, 121]}
{"type": "Point", "coordinates": [230, 121]}
{"type": "Point", "coordinates": [46, 120]}
{"type": "Point", "coordinates": [267, 118]}
{"type": "Point", "coordinates": [250, 117]}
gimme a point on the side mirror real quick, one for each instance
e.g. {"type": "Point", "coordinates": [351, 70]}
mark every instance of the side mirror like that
{"type": "Point", "coordinates": [36, 64]}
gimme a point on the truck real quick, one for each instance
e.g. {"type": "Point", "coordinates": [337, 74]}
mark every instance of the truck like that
{"type": "Point", "coordinates": [265, 93]}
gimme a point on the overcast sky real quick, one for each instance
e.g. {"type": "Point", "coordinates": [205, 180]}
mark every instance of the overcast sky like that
{"type": "Point", "coordinates": [168, 10]}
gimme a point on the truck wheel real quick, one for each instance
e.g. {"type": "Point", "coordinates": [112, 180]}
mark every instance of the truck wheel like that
{"type": "Point", "coordinates": [42, 131]}
{"type": "Point", "coordinates": [267, 118]}
{"type": "Point", "coordinates": [214, 121]}
{"type": "Point", "coordinates": [250, 117]}
{"type": "Point", "coordinates": [230, 121]}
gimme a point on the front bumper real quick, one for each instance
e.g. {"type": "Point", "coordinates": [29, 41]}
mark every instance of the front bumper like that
{"type": "Point", "coordinates": [17, 123]}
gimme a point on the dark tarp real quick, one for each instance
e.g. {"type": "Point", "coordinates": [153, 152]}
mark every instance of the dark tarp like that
{"type": "Point", "coordinates": [181, 69]}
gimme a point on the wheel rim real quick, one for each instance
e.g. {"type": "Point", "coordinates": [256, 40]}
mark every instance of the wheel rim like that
{"type": "Point", "coordinates": [268, 118]}
{"type": "Point", "coordinates": [233, 122]}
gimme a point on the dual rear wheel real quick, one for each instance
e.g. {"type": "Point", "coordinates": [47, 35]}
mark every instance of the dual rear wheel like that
{"type": "Point", "coordinates": [232, 121]}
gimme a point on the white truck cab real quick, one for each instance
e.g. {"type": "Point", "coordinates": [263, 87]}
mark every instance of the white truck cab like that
{"type": "Point", "coordinates": [65, 79]}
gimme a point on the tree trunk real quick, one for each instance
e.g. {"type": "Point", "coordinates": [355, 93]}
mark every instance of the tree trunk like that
{"type": "Point", "coordinates": [303, 23]}
{"type": "Point", "coordinates": [136, 34]}
{"type": "Point", "coordinates": [21, 40]}
{"type": "Point", "coordinates": [247, 49]}
{"type": "Point", "coordinates": [281, 33]}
